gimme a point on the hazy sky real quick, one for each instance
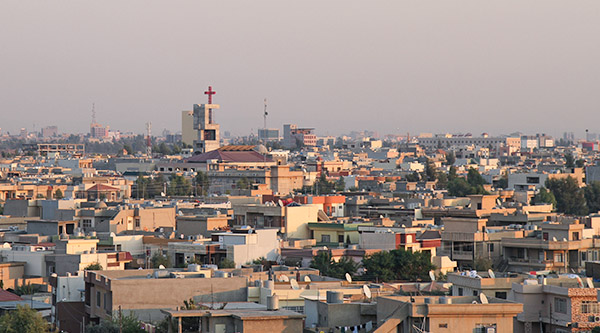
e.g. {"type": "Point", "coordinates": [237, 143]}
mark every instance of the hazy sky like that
{"type": "Point", "coordinates": [389, 66]}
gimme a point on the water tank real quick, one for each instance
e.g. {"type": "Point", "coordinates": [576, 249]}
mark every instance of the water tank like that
{"type": "Point", "coordinates": [445, 300]}
{"type": "Point", "coordinates": [269, 284]}
{"type": "Point", "coordinates": [335, 297]}
{"type": "Point", "coordinates": [273, 303]}
{"type": "Point", "coordinates": [221, 274]}
{"type": "Point", "coordinates": [193, 268]}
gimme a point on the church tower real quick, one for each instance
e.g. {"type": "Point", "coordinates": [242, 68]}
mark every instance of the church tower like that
{"type": "Point", "coordinates": [208, 133]}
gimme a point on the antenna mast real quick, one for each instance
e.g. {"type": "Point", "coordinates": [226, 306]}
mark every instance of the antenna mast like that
{"type": "Point", "coordinates": [265, 114]}
{"type": "Point", "coordinates": [149, 138]}
{"type": "Point", "coordinates": [93, 113]}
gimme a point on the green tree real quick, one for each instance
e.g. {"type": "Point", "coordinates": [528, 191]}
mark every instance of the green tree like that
{"type": "Point", "coordinates": [159, 259]}
{"type": "Point", "coordinates": [592, 197]}
{"type": "Point", "coordinates": [58, 194]}
{"type": "Point", "coordinates": [413, 177]}
{"type": "Point", "coordinates": [26, 289]}
{"type": "Point", "coordinates": [329, 267]}
{"type": "Point", "coordinates": [459, 187]}
{"type": "Point", "coordinates": [398, 265]}
{"type": "Point", "coordinates": [179, 186]}
{"type": "Point", "coordinates": [23, 319]}
{"type": "Point", "coordinates": [502, 183]}
{"type": "Point", "coordinates": [226, 263]}
{"type": "Point", "coordinates": [93, 267]}
{"type": "Point", "coordinates": [580, 163]}
{"type": "Point", "coordinates": [340, 185]}
{"type": "Point", "coordinates": [126, 324]}
{"type": "Point", "coordinates": [450, 158]}
{"type": "Point", "coordinates": [379, 267]}
{"type": "Point", "coordinates": [569, 197]}
{"type": "Point", "coordinates": [243, 183]}
{"type": "Point", "coordinates": [569, 160]}
{"type": "Point", "coordinates": [202, 183]}
{"type": "Point", "coordinates": [544, 197]}
{"type": "Point", "coordinates": [429, 173]}
{"type": "Point", "coordinates": [442, 181]}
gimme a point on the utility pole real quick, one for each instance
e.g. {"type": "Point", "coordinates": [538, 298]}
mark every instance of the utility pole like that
{"type": "Point", "coordinates": [120, 320]}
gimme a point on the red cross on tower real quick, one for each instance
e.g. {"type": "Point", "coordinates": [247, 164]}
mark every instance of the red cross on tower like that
{"type": "Point", "coordinates": [210, 92]}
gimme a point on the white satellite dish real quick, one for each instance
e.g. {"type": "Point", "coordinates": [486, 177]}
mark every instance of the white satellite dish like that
{"type": "Point", "coordinates": [554, 239]}
{"type": "Point", "coordinates": [366, 291]}
{"type": "Point", "coordinates": [280, 203]}
{"type": "Point", "coordinates": [348, 278]}
{"type": "Point", "coordinates": [491, 274]}
{"type": "Point", "coordinates": [161, 267]}
{"type": "Point", "coordinates": [162, 194]}
{"type": "Point", "coordinates": [284, 278]}
{"type": "Point", "coordinates": [579, 281]}
{"type": "Point", "coordinates": [483, 298]}
{"type": "Point", "coordinates": [307, 279]}
{"type": "Point", "coordinates": [294, 284]}
{"type": "Point", "coordinates": [432, 276]}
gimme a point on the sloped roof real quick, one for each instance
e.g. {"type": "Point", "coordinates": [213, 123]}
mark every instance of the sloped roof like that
{"type": "Point", "coordinates": [430, 234]}
{"type": "Point", "coordinates": [239, 154]}
{"type": "Point", "coordinates": [102, 187]}
{"type": "Point", "coordinates": [7, 296]}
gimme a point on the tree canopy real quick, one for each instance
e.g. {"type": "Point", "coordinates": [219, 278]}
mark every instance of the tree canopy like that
{"type": "Point", "coordinates": [398, 265]}
{"type": "Point", "coordinates": [569, 197]}
{"type": "Point", "coordinates": [23, 319]}
{"type": "Point", "coordinates": [329, 267]}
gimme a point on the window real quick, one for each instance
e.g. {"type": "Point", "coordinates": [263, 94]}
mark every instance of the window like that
{"type": "Point", "coordinates": [560, 305]}
{"type": "Point", "coordinates": [98, 300]}
{"type": "Point", "coordinates": [460, 291]}
{"type": "Point", "coordinates": [501, 294]}
{"type": "Point", "coordinates": [491, 247]}
{"type": "Point", "coordinates": [444, 325]}
{"type": "Point", "coordinates": [299, 309]}
{"type": "Point", "coordinates": [575, 235]}
{"type": "Point", "coordinates": [325, 238]}
{"type": "Point", "coordinates": [475, 293]}
{"type": "Point", "coordinates": [485, 328]}
{"type": "Point", "coordinates": [87, 223]}
{"type": "Point", "coordinates": [584, 256]}
{"type": "Point", "coordinates": [340, 238]}
{"type": "Point", "coordinates": [590, 307]}
{"type": "Point", "coordinates": [137, 222]}
{"type": "Point", "coordinates": [558, 257]}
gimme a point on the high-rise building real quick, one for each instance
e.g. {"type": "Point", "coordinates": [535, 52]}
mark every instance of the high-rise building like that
{"type": "Point", "coordinates": [188, 134]}
{"type": "Point", "coordinates": [268, 134]}
{"type": "Point", "coordinates": [49, 131]}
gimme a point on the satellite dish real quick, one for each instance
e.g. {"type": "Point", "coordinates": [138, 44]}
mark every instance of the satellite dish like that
{"type": "Point", "coordinates": [483, 298]}
{"type": "Point", "coordinates": [280, 203]}
{"type": "Point", "coordinates": [284, 278]}
{"type": "Point", "coordinates": [491, 274]}
{"type": "Point", "coordinates": [161, 267]}
{"type": "Point", "coordinates": [294, 284]}
{"type": "Point", "coordinates": [432, 276]}
{"type": "Point", "coordinates": [366, 291]}
{"type": "Point", "coordinates": [348, 278]}
{"type": "Point", "coordinates": [307, 279]}
{"type": "Point", "coordinates": [580, 282]}
{"type": "Point", "coordinates": [162, 194]}
{"type": "Point", "coordinates": [554, 239]}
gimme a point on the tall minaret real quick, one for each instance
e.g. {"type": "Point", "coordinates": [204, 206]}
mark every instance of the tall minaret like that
{"type": "Point", "coordinates": [209, 135]}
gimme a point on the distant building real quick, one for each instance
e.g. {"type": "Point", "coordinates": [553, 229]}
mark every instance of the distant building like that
{"type": "Point", "coordinates": [49, 131]}
{"type": "Point", "coordinates": [294, 136]}
{"type": "Point", "coordinates": [188, 134]}
{"type": "Point", "coordinates": [208, 135]}
{"type": "Point", "coordinates": [98, 131]}
{"type": "Point", "coordinates": [268, 134]}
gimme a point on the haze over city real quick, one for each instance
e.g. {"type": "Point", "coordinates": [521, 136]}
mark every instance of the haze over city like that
{"type": "Point", "coordinates": [390, 66]}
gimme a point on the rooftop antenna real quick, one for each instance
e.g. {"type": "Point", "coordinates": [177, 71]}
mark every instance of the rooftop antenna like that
{"type": "Point", "coordinates": [265, 114]}
{"type": "Point", "coordinates": [149, 138]}
{"type": "Point", "coordinates": [93, 113]}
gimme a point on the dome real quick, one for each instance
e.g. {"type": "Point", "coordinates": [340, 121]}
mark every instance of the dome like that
{"type": "Point", "coordinates": [261, 149]}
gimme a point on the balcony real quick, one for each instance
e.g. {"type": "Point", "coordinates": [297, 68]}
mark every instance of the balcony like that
{"type": "Point", "coordinates": [462, 255]}
{"type": "Point", "coordinates": [533, 262]}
